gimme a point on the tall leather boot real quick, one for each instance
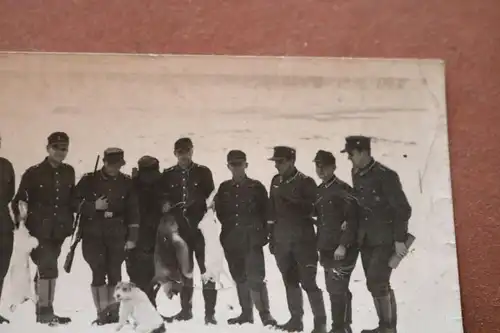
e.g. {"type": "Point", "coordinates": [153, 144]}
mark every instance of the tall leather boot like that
{"type": "Point", "coordinates": [295, 302]}
{"type": "Point", "coordinates": [210, 298]}
{"type": "Point", "coordinates": [261, 301]}
{"type": "Point", "coordinates": [387, 313]}
{"type": "Point", "coordinates": [318, 309]}
{"type": "Point", "coordinates": [3, 320]}
{"type": "Point", "coordinates": [101, 301]}
{"type": "Point", "coordinates": [45, 290]}
{"type": "Point", "coordinates": [245, 300]}
{"type": "Point", "coordinates": [186, 313]}
{"type": "Point", "coordinates": [341, 312]}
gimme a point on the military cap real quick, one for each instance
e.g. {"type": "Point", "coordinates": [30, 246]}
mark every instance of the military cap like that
{"type": "Point", "coordinates": [58, 138]}
{"type": "Point", "coordinates": [283, 153]}
{"type": "Point", "coordinates": [148, 163]}
{"type": "Point", "coordinates": [236, 156]}
{"type": "Point", "coordinates": [114, 155]}
{"type": "Point", "coordinates": [356, 142]}
{"type": "Point", "coordinates": [324, 157]}
{"type": "Point", "coordinates": [183, 144]}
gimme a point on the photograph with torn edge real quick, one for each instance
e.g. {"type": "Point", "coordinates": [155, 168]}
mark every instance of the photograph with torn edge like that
{"type": "Point", "coordinates": [153, 193]}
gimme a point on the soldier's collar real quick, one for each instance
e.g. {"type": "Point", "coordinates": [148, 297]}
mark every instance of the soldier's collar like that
{"type": "Point", "coordinates": [363, 171]}
{"type": "Point", "coordinates": [243, 181]}
{"type": "Point", "coordinates": [190, 166]}
{"type": "Point", "coordinates": [287, 178]}
{"type": "Point", "coordinates": [46, 163]}
{"type": "Point", "coordinates": [106, 176]}
{"type": "Point", "coordinates": [329, 183]}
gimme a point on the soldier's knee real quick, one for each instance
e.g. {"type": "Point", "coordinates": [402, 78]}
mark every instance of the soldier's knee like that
{"type": "Point", "coordinates": [47, 268]}
{"type": "Point", "coordinates": [309, 285]}
{"type": "Point", "coordinates": [378, 289]}
{"type": "Point", "coordinates": [336, 287]}
{"type": "Point", "coordinates": [255, 284]}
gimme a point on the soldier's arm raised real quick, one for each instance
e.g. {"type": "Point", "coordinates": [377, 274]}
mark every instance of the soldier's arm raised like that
{"type": "Point", "coordinates": [351, 218]}
{"type": "Point", "coordinates": [401, 209]}
{"type": "Point", "coordinates": [132, 214]}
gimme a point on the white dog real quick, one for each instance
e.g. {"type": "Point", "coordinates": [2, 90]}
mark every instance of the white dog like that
{"type": "Point", "coordinates": [135, 307]}
{"type": "Point", "coordinates": [20, 272]}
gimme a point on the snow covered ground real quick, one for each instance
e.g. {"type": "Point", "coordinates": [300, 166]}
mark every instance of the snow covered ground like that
{"type": "Point", "coordinates": [106, 103]}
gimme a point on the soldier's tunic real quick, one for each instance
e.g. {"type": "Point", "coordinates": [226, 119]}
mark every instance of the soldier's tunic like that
{"type": "Point", "coordinates": [104, 233]}
{"type": "Point", "coordinates": [187, 190]}
{"type": "Point", "coordinates": [383, 219]}
{"type": "Point", "coordinates": [241, 208]}
{"type": "Point", "coordinates": [140, 261]}
{"type": "Point", "coordinates": [48, 190]}
{"type": "Point", "coordinates": [336, 205]}
{"type": "Point", "coordinates": [292, 201]}
{"type": "Point", "coordinates": [7, 189]}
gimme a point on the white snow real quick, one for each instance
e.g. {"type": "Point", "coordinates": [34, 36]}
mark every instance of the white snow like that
{"type": "Point", "coordinates": [105, 102]}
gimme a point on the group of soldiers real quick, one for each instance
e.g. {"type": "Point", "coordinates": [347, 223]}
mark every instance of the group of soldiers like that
{"type": "Point", "coordinates": [302, 223]}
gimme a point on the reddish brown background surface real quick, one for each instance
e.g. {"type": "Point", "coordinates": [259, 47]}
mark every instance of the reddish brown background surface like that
{"type": "Point", "coordinates": [466, 34]}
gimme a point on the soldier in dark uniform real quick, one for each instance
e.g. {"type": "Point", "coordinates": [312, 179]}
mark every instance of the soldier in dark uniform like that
{"type": "Point", "coordinates": [241, 207]}
{"type": "Point", "coordinates": [110, 225]}
{"type": "Point", "coordinates": [140, 261]}
{"type": "Point", "coordinates": [187, 186]}
{"type": "Point", "coordinates": [293, 239]}
{"type": "Point", "coordinates": [7, 189]}
{"type": "Point", "coordinates": [336, 211]}
{"type": "Point", "coordinates": [47, 188]}
{"type": "Point", "coordinates": [383, 225]}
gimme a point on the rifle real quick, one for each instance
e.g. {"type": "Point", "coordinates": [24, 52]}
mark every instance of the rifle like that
{"type": "Point", "coordinates": [76, 237]}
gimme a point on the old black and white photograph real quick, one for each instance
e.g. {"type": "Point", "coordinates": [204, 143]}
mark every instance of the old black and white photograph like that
{"type": "Point", "coordinates": [182, 193]}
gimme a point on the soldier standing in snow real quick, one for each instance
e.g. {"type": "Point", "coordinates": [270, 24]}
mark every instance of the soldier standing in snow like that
{"type": "Point", "coordinates": [187, 186]}
{"type": "Point", "coordinates": [110, 224]}
{"type": "Point", "coordinates": [47, 188]}
{"type": "Point", "coordinates": [383, 226]}
{"type": "Point", "coordinates": [293, 239]}
{"type": "Point", "coordinates": [140, 261]}
{"type": "Point", "coordinates": [241, 207]}
{"type": "Point", "coordinates": [7, 189]}
{"type": "Point", "coordinates": [336, 211]}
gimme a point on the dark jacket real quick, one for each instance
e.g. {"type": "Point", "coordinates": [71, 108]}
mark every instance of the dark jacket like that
{"type": "Point", "coordinates": [7, 190]}
{"type": "Point", "coordinates": [291, 208]}
{"type": "Point", "coordinates": [147, 187]}
{"type": "Point", "coordinates": [48, 191]}
{"type": "Point", "coordinates": [191, 186]}
{"type": "Point", "coordinates": [384, 209]}
{"type": "Point", "coordinates": [336, 204]}
{"type": "Point", "coordinates": [241, 208]}
{"type": "Point", "coordinates": [122, 203]}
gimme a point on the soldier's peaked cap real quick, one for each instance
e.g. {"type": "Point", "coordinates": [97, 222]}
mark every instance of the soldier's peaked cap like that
{"type": "Point", "coordinates": [114, 155]}
{"type": "Point", "coordinates": [236, 156]}
{"type": "Point", "coordinates": [58, 138]}
{"type": "Point", "coordinates": [324, 157]}
{"type": "Point", "coordinates": [183, 144]}
{"type": "Point", "coordinates": [148, 162]}
{"type": "Point", "coordinates": [359, 142]}
{"type": "Point", "coordinates": [283, 153]}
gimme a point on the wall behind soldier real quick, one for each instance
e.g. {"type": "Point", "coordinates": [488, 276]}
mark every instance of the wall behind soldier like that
{"type": "Point", "coordinates": [465, 34]}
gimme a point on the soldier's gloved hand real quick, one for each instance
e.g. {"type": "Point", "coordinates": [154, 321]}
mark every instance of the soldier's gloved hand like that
{"type": "Point", "coordinates": [101, 203]}
{"type": "Point", "coordinates": [166, 207]}
{"type": "Point", "coordinates": [401, 249]}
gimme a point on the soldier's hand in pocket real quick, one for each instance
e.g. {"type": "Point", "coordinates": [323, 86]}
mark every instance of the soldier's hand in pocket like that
{"type": "Point", "coordinates": [101, 203]}
{"type": "Point", "coordinates": [339, 253]}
